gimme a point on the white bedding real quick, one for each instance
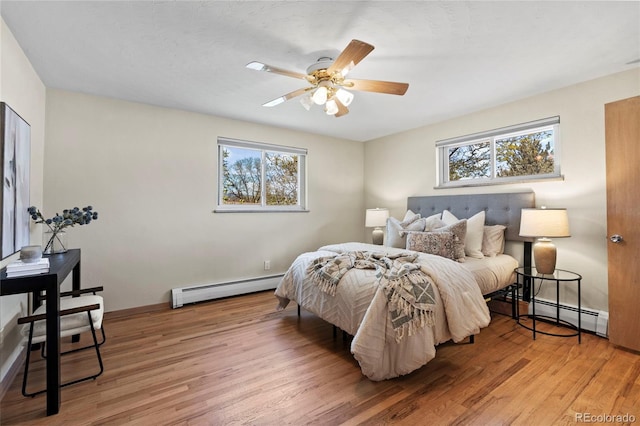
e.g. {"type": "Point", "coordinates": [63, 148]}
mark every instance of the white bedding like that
{"type": "Point", "coordinates": [360, 308]}
{"type": "Point", "coordinates": [492, 273]}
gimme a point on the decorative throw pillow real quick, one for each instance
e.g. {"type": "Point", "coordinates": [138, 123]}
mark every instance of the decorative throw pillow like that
{"type": "Point", "coordinates": [396, 231]}
{"type": "Point", "coordinates": [459, 229]}
{"type": "Point", "coordinates": [438, 243]}
{"type": "Point", "coordinates": [493, 240]}
{"type": "Point", "coordinates": [410, 217]}
{"type": "Point", "coordinates": [475, 232]}
{"type": "Point", "coordinates": [433, 222]}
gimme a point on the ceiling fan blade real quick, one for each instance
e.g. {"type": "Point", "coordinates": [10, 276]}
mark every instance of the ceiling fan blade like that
{"type": "Point", "coordinates": [342, 110]}
{"type": "Point", "coordinates": [259, 66]}
{"type": "Point", "coordinates": [389, 87]}
{"type": "Point", "coordinates": [350, 57]}
{"type": "Point", "coordinates": [284, 98]}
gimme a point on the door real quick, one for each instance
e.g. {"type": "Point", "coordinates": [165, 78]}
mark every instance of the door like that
{"type": "Point", "coordinates": [622, 123]}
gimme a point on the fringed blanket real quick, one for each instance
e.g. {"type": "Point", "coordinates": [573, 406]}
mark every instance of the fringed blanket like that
{"type": "Point", "coordinates": [409, 292]}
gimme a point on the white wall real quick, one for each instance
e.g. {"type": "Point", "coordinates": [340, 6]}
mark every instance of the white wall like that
{"type": "Point", "coordinates": [24, 92]}
{"type": "Point", "coordinates": [404, 164]}
{"type": "Point", "coordinates": [151, 174]}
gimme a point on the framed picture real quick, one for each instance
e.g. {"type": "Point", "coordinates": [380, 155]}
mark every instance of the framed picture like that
{"type": "Point", "coordinates": [15, 153]}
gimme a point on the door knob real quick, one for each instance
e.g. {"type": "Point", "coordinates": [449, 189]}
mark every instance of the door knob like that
{"type": "Point", "coordinates": [615, 238]}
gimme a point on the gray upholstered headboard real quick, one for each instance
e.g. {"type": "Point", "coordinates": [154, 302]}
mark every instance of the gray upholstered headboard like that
{"type": "Point", "coordinates": [500, 209]}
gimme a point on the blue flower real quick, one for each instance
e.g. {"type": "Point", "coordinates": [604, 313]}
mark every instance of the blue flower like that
{"type": "Point", "coordinates": [69, 217]}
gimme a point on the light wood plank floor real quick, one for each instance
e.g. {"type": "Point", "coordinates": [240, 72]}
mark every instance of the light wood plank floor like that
{"type": "Point", "coordinates": [239, 361]}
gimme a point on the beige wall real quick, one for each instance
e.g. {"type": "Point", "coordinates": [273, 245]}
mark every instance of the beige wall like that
{"type": "Point", "coordinates": [23, 91]}
{"type": "Point", "coordinates": [403, 165]}
{"type": "Point", "coordinates": [151, 174]}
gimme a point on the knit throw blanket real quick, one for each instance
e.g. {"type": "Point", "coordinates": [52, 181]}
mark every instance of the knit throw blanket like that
{"type": "Point", "coordinates": [409, 291]}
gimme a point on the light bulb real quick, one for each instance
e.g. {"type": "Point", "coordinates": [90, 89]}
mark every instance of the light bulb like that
{"type": "Point", "coordinates": [320, 96]}
{"type": "Point", "coordinates": [306, 102]}
{"type": "Point", "coordinates": [344, 97]}
{"type": "Point", "coordinates": [331, 108]}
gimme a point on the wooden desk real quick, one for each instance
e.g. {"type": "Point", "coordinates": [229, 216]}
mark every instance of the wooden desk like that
{"type": "Point", "coordinates": [60, 265]}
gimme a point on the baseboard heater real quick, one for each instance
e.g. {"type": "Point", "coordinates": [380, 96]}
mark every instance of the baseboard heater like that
{"type": "Point", "coordinates": [592, 320]}
{"type": "Point", "coordinates": [200, 293]}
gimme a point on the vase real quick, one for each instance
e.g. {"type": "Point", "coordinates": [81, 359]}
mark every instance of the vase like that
{"type": "Point", "coordinates": [54, 242]}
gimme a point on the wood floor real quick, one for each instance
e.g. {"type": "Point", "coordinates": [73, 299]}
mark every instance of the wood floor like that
{"type": "Point", "coordinates": [239, 361]}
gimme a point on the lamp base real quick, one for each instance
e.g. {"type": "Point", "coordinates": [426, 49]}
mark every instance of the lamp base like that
{"type": "Point", "coordinates": [544, 255]}
{"type": "Point", "coordinates": [378, 236]}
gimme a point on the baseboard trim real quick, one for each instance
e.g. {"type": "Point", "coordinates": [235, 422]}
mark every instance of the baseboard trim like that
{"type": "Point", "coordinates": [592, 320]}
{"type": "Point", "coordinates": [12, 373]}
{"type": "Point", "coordinates": [136, 311]}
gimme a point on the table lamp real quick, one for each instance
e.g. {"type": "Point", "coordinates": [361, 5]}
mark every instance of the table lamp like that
{"type": "Point", "coordinates": [376, 218]}
{"type": "Point", "coordinates": [544, 223]}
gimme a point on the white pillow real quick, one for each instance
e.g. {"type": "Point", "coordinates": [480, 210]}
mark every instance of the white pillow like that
{"type": "Point", "coordinates": [433, 222]}
{"type": "Point", "coordinates": [493, 240]}
{"type": "Point", "coordinates": [409, 217]}
{"type": "Point", "coordinates": [475, 232]}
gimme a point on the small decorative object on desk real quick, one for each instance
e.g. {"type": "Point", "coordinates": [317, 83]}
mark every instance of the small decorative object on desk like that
{"type": "Point", "coordinates": [20, 268]}
{"type": "Point", "coordinates": [30, 254]}
{"type": "Point", "coordinates": [55, 238]}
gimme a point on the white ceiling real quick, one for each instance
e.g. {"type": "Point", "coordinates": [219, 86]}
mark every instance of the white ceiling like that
{"type": "Point", "coordinates": [458, 57]}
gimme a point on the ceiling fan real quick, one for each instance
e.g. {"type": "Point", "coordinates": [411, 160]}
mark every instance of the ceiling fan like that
{"type": "Point", "coordinates": [327, 81]}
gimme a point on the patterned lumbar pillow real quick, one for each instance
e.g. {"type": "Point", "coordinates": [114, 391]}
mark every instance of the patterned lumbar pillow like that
{"type": "Point", "coordinates": [459, 229]}
{"type": "Point", "coordinates": [438, 243]}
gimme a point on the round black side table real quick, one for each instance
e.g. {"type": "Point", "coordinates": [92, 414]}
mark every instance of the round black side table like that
{"type": "Point", "coordinates": [560, 277]}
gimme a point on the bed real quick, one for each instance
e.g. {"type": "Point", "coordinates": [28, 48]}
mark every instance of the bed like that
{"type": "Point", "coordinates": [399, 304]}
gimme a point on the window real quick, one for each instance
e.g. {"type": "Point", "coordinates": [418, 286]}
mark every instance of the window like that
{"type": "Point", "coordinates": [254, 176]}
{"type": "Point", "coordinates": [511, 154]}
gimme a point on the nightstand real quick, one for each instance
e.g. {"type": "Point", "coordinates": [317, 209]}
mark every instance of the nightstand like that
{"type": "Point", "coordinates": [560, 277]}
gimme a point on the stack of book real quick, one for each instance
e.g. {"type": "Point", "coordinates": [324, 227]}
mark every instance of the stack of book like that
{"type": "Point", "coordinates": [20, 268]}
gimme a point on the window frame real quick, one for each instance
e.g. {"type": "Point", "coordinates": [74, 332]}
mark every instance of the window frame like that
{"type": "Point", "coordinates": [442, 158]}
{"type": "Point", "coordinates": [301, 153]}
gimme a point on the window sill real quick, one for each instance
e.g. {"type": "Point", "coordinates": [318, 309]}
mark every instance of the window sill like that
{"type": "Point", "coordinates": [258, 210]}
{"type": "Point", "coordinates": [460, 184]}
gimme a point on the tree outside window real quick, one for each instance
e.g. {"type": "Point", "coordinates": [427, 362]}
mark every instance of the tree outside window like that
{"type": "Point", "coordinates": [521, 152]}
{"type": "Point", "coordinates": [259, 176]}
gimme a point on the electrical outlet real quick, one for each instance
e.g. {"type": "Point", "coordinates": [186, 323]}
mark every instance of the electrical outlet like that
{"type": "Point", "coordinates": [267, 265]}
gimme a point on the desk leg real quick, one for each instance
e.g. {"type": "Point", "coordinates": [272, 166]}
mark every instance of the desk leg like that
{"type": "Point", "coordinates": [53, 346]}
{"type": "Point", "coordinates": [75, 285]}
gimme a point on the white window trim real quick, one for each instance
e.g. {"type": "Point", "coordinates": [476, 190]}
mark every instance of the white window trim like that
{"type": "Point", "coordinates": [442, 169]}
{"type": "Point", "coordinates": [262, 147]}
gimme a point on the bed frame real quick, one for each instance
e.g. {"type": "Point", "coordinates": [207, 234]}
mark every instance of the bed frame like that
{"type": "Point", "coordinates": [500, 209]}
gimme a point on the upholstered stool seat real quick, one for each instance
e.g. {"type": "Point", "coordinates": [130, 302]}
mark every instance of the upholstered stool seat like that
{"type": "Point", "coordinates": [71, 324]}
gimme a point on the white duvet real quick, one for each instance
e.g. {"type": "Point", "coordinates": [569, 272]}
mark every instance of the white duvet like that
{"type": "Point", "coordinates": [359, 307]}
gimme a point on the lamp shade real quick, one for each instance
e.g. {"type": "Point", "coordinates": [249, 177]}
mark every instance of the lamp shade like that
{"type": "Point", "coordinates": [319, 97]}
{"type": "Point", "coordinates": [331, 107]}
{"type": "Point", "coordinates": [376, 217]}
{"type": "Point", "coordinates": [344, 97]}
{"type": "Point", "coordinates": [544, 223]}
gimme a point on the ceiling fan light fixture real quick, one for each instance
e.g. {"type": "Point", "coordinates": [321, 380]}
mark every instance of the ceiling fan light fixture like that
{"type": "Point", "coordinates": [319, 97]}
{"type": "Point", "coordinates": [331, 107]}
{"type": "Point", "coordinates": [306, 102]}
{"type": "Point", "coordinates": [345, 97]}
{"type": "Point", "coordinates": [326, 80]}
